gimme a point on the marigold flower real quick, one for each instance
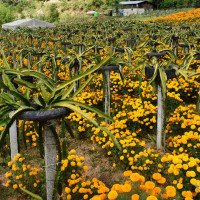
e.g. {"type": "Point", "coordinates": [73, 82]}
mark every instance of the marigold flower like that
{"type": "Point", "coordinates": [15, 186]}
{"type": "Point", "coordinates": [112, 195]}
{"type": "Point", "coordinates": [126, 188]}
{"type": "Point", "coordinates": [135, 177]}
{"type": "Point", "coordinates": [156, 176]}
{"type": "Point", "coordinates": [150, 185]}
{"type": "Point", "coordinates": [135, 197]}
{"type": "Point", "coordinates": [128, 173]}
{"type": "Point", "coordinates": [170, 191]}
{"type": "Point", "coordinates": [151, 198]}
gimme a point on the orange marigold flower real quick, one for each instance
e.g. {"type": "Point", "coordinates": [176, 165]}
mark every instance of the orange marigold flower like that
{"type": "Point", "coordinates": [128, 173]}
{"type": "Point", "coordinates": [164, 196]}
{"type": "Point", "coordinates": [126, 188]}
{"type": "Point", "coordinates": [15, 186]}
{"type": "Point", "coordinates": [150, 185]}
{"type": "Point", "coordinates": [112, 195]}
{"type": "Point", "coordinates": [151, 198]}
{"type": "Point", "coordinates": [135, 177]}
{"type": "Point", "coordinates": [171, 191]}
{"type": "Point", "coordinates": [157, 176]}
{"type": "Point", "coordinates": [162, 180]}
{"type": "Point", "coordinates": [157, 190]}
{"type": "Point", "coordinates": [135, 197]}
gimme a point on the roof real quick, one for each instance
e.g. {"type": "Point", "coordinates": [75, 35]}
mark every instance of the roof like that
{"type": "Point", "coordinates": [90, 12]}
{"type": "Point", "coordinates": [31, 23]}
{"type": "Point", "coordinates": [130, 2]}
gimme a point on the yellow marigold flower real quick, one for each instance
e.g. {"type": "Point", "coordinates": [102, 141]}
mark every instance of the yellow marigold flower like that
{"type": "Point", "coordinates": [179, 186]}
{"type": "Point", "coordinates": [127, 173]}
{"type": "Point", "coordinates": [69, 197]}
{"type": "Point", "coordinates": [67, 190]}
{"type": "Point", "coordinates": [10, 163]}
{"type": "Point", "coordinates": [126, 188]}
{"type": "Point", "coordinates": [121, 157]}
{"type": "Point", "coordinates": [73, 176]}
{"type": "Point", "coordinates": [135, 197]}
{"type": "Point", "coordinates": [162, 180]}
{"type": "Point", "coordinates": [8, 183]}
{"type": "Point", "coordinates": [157, 190]}
{"type": "Point", "coordinates": [157, 176]}
{"type": "Point", "coordinates": [73, 164]}
{"type": "Point", "coordinates": [15, 186]}
{"type": "Point", "coordinates": [170, 191]}
{"type": "Point", "coordinates": [85, 167]}
{"type": "Point", "coordinates": [112, 195]}
{"type": "Point", "coordinates": [193, 127]}
{"type": "Point", "coordinates": [135, 177]}
{"type": "Point", "coordinates": [150, 185]}
{"type": "Point", "coordinates": [85, 196]}
{"type": "Point", "coordinates": [187, 194]}
{"type": "Point", "coordinates": [151, 198]}
{"type": "Point", "coordinates": [8, 174]}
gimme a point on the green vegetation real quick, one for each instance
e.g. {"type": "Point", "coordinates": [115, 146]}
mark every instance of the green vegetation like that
{"type": "Point", "coordinates": [64, 10]}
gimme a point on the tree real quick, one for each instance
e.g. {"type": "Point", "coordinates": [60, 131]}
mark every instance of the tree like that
{"type": "Point", "coordinates": [6, 14]}
{"type": "Point", "coordinates": [53, 14]}
{"type": "Point", "coordinates": [96, 3]}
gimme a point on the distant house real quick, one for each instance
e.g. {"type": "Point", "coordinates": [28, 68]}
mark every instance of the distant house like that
{"type": "Point", "coordinates": [134, 7]}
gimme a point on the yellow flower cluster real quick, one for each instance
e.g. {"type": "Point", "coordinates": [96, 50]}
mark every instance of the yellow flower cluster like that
{"type": "Point", "coordinates": [181, 17]}
{"type": "Point", "coordinates": [23, 175]}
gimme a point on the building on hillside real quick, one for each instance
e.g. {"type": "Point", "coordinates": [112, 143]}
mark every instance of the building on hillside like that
{"type": "Point", "coordinates": [134, 7]}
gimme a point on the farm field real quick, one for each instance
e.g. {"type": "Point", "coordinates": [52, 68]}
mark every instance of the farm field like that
{"type": "Point", "coordinates": [104, 110]}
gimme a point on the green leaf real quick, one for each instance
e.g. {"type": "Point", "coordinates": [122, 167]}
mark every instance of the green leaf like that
{"type": "Point", "coordinates": [20, 97]}
{"type": "Point", "coordinates": [75, 109]}
{"type": "Point", "coordinates": [22, 133]}
{"type": "Point", "coordinates": [66, 93]}
{"type": "Point", "coordinates": [4, 112]}
{"type": "Point", "coordinates": [95, 110]}
{"type": "Point", "coordinates": [8, 99]}
{"type": "Point", "coordinates": [4, 59]}
{"type": "Point", "coordinates": [43, 91]}
{"type": "Point", "coordinates": [27, 93]}
{"type": "Point", "coordinates": [35, 196]}
{"type": "Point", "coordinates": [163, 78]}
{"type": "Point", "coordinates": [10, 122]}
{"type": "Point", "coordinates": [155, 74]}
{"type": "Point", "coordinates": [24, 83]}
{"type": "Point", "coordinates": [7, 82]}
{"type": "Point", "coordinates": [69, 129]}
{"type": "Point", "coordinates": [3, 86]}
{"type": "Point", "coordinates": [50, 83]}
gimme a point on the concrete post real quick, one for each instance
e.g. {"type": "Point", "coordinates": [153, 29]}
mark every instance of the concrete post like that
{"type": "Point", "coordinates": [160, 117]}
{"type": "Point", "coordinates": [50, 160]}
{"type": "Point", "coordinates": [107, 92]}
{"type": "Point", "coordinates": [13, 138]}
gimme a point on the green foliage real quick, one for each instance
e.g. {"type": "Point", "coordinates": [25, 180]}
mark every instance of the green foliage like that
{"type": "Point", "coordinates": [6, 14]}
{"type": "Point", "coordinates": [174, 3]}
{"type": "Point", "coordinates": [53, 13]}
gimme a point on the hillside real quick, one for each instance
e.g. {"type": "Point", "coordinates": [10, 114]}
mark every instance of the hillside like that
{"type": "Point", "coordinates": [52, 10]}
{"type": "Point", "coordinates": [65, 10]}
